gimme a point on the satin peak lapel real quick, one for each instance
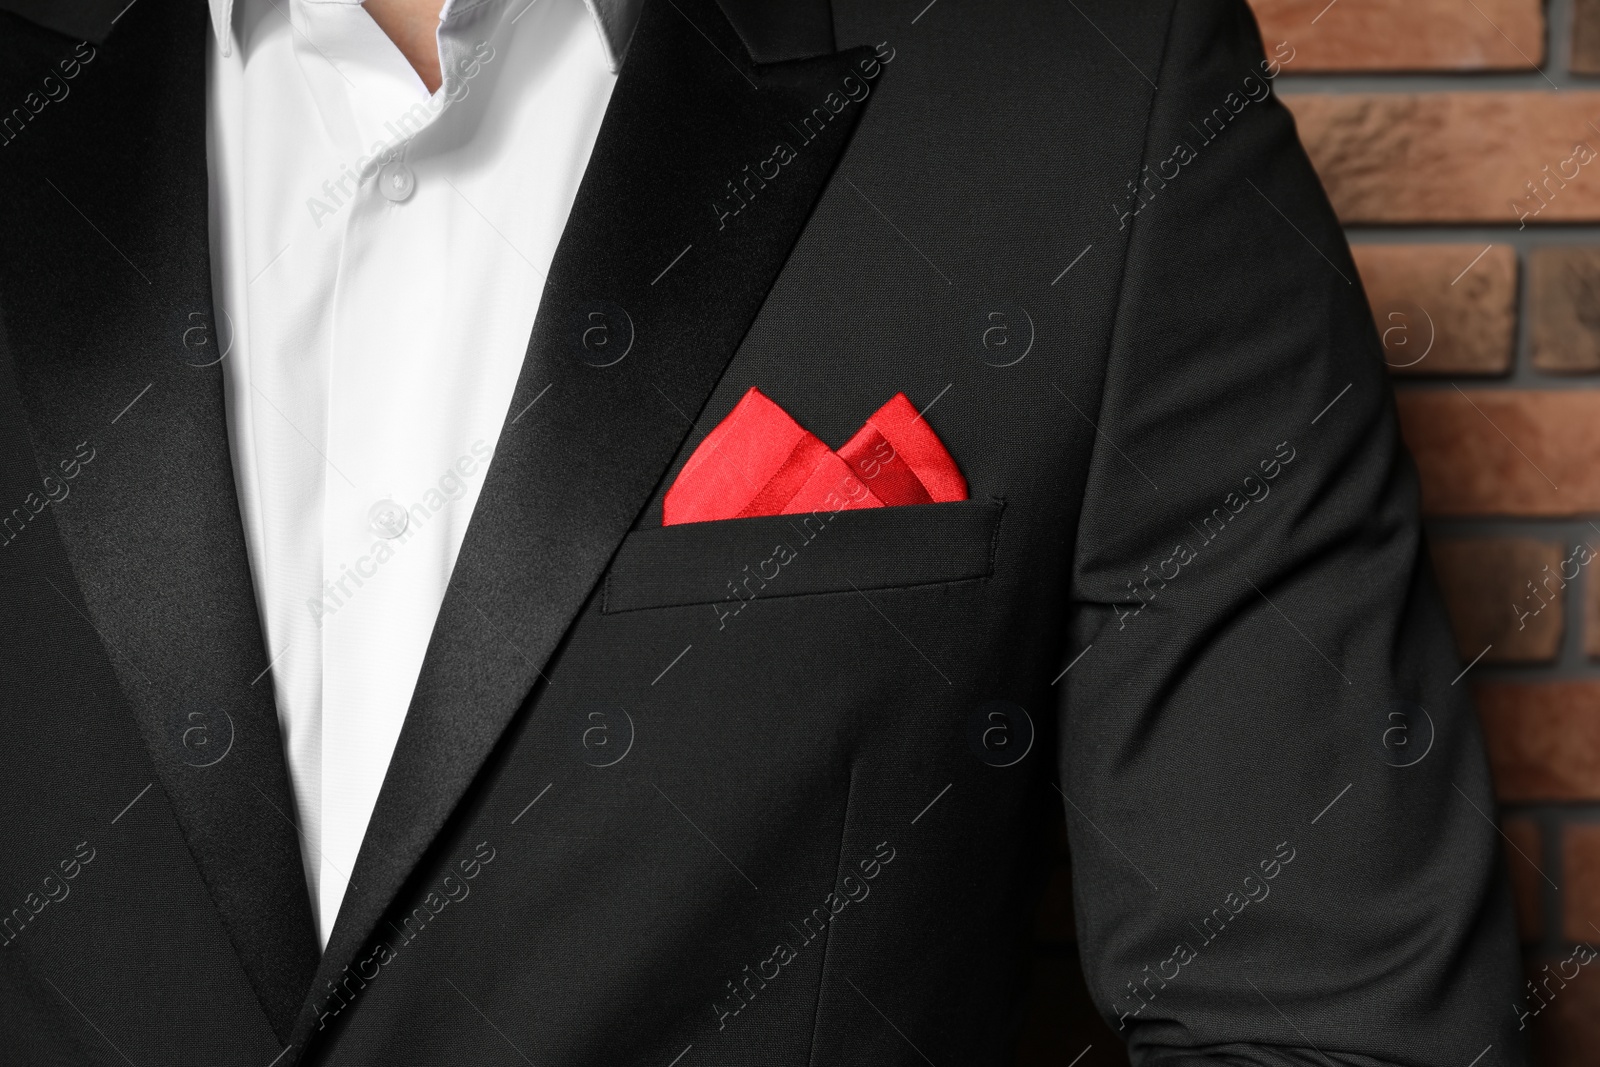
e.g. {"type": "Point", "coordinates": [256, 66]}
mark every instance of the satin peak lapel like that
{"type": "Point", "coordinates": [106, 287]}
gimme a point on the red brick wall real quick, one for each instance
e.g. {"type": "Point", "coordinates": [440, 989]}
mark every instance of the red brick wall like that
{"type": "Point", "coordinates": [1459, 141]}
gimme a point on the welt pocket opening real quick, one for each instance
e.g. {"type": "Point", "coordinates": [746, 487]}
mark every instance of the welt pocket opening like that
{"type": "Point", "coordinates": [799, 555]}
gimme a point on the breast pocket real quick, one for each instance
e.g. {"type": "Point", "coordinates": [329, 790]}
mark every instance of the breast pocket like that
{"type": "Point", "coordinates": [804, 555]}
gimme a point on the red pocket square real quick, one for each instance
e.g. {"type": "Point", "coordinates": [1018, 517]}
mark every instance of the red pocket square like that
{"type": "Point", "coordinates": [759, 461]}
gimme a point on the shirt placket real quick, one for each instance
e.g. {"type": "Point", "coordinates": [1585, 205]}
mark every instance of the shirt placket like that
{"type": "Point", "coordinates": [372, 108]}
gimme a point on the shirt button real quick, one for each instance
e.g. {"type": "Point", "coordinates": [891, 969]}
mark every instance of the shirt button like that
{"type": "Point", "coordinates": [396, 181]}
{"type": "Point", "coordinates": [388, 519]}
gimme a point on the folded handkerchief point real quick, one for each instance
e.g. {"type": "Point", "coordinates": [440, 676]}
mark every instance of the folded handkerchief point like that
{"type": "Point", "coordinates": [901, 457]}
{"type": "Point", "coordinates": [759, 461]}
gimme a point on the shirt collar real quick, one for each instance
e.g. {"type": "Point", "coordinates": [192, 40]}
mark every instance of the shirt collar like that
{"type": "Point", "coordinates": [614, 20]}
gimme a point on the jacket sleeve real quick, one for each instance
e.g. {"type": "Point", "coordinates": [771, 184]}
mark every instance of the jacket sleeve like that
{"type": "Point", "coordinates": [1279, 808]}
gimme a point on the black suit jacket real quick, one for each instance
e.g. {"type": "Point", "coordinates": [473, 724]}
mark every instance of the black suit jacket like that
{"type": "Point", "coordinates": [660, 799]}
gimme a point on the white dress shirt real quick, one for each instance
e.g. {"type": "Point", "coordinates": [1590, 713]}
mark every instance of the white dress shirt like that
{"type": "Point", "coordinates": [378, 255]}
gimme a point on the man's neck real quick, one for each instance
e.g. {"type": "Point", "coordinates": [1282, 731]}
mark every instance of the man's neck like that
{"type": "Point", "coordinates": [413, 26]}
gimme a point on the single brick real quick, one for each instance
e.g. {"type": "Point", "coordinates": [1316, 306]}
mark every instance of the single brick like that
{"type": "Point", "coordinates": [1580, 881]}
{"type": "Point", "coordinates": [1439, 309]}
{"type": "Point", "coordinates": [1565, 1012]}
{"type": "Point", "coordinates": [1565, 318]}
{"type": "Point", "coordinates": [1504, 451]}
{"type": "Point", "coordinates": [1496, 157]}
{"type": "Point", "coordinates": [1586, 36]}
{"type": "Point", "coordinates": [1503, 594]}
{"type": "Point", "coordinates": [1414, 35]}
{"type": "Point", "coordinates": [1527, 875]}
{"type": "Point", "coordinates": [1591, 606]}
{"type": "Point", "coordinates": [1543, 739]}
